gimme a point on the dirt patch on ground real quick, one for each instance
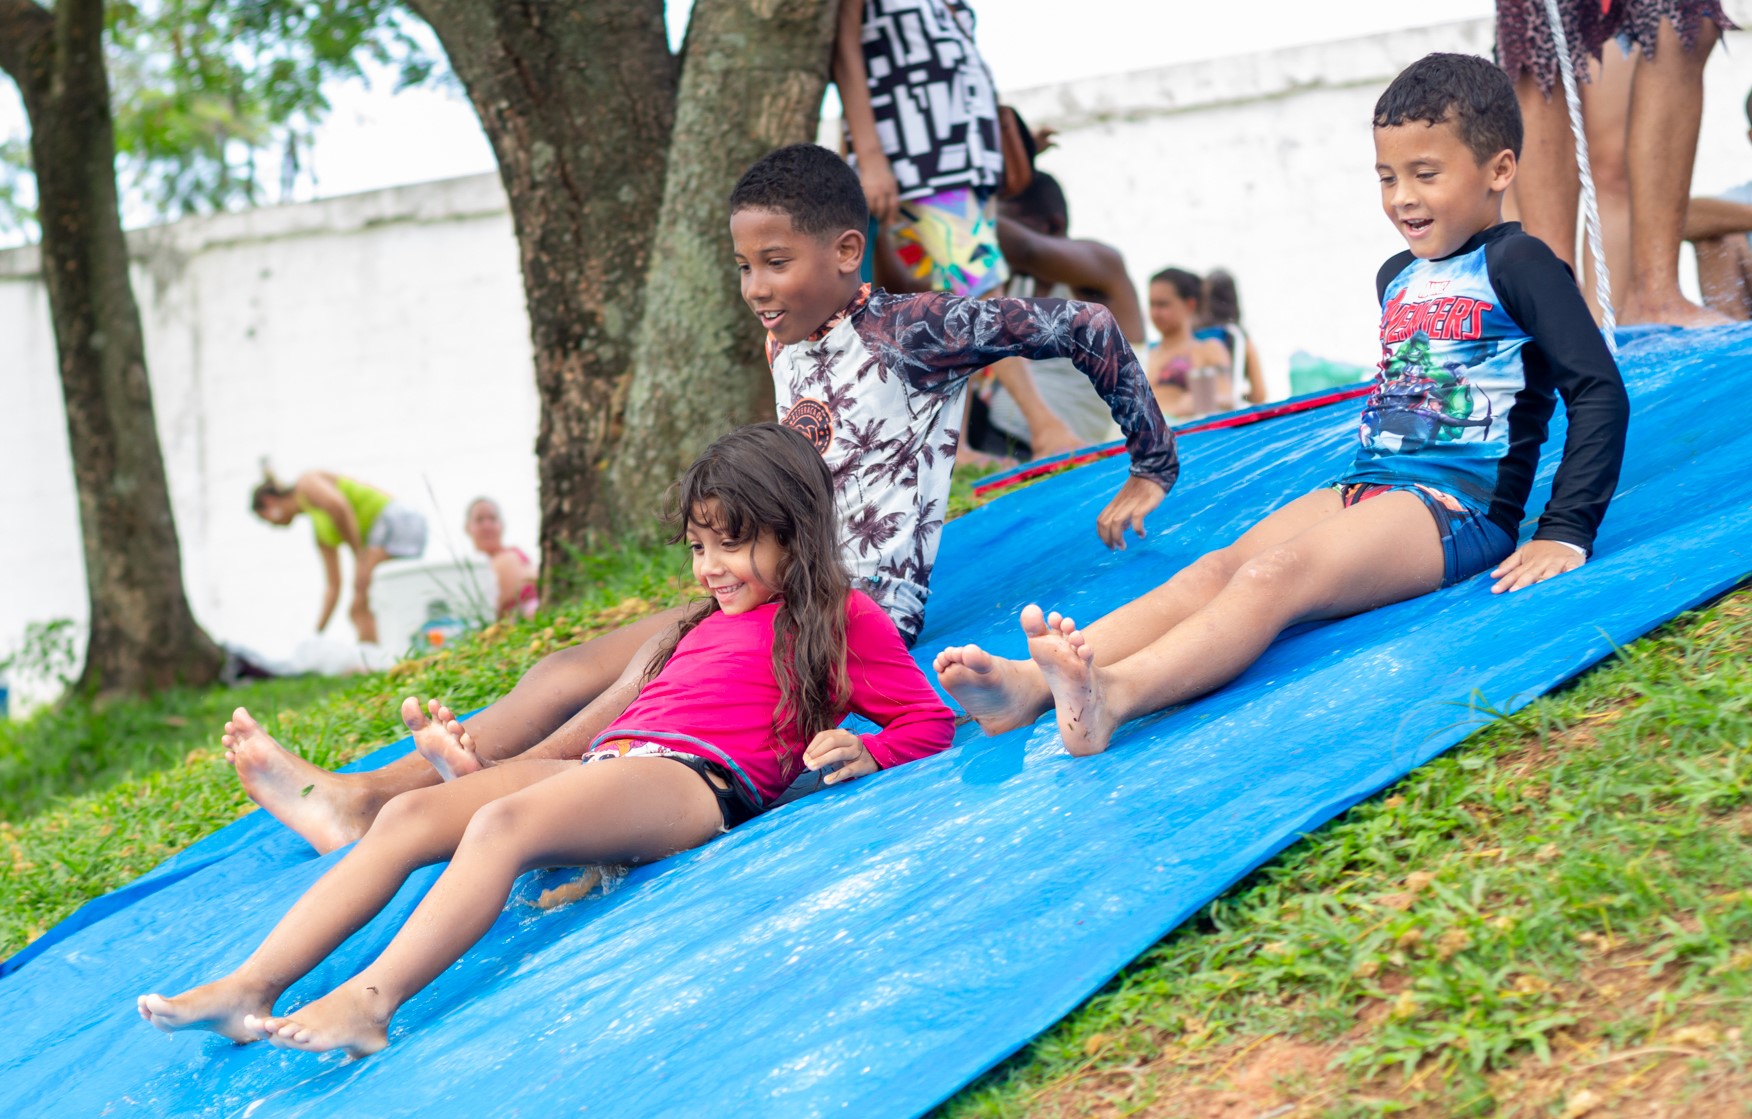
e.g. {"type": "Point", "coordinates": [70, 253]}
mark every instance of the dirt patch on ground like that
{"type": "Point", "coordinates": [1697, 1073]}
{"type": "Point", "coordinates": [1696, 1067]}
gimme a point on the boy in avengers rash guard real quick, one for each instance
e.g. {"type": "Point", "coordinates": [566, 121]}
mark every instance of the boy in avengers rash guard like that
{"type": "Point", "coordinates": [1482, 329]}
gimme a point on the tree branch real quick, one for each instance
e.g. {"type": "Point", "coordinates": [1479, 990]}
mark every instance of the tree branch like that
{"type": "Point", "coordinates": [23, 24]}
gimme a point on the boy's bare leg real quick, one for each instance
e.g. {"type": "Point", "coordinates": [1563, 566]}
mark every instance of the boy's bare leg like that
{"type": "Point", "coordinates": [629, 810]}
{"type": "Point", "coordinates": [331, 810]}
{"type": "Point", "coordinates": [415, 830]}
{"type": "Point", "coordinates": [1003, 694]}
{"type": "Point", "coordinates": [1379, 551]}
{"type": "Point", "coordinates": [1666, 108]}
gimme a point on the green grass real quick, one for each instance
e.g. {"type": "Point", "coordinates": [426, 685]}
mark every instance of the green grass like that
{"type": "Point", "coordinates": [92, 798]}
{"type": "Point", "coordinates": [80, 748]}
{"type": "Point", "coordinates": [1496, 905]}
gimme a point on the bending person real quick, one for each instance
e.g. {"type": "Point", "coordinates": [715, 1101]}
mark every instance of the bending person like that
{"type": "Point", "coordinates": [373, 525]}
{"type": "Point", "coordinates": [1481, 329]}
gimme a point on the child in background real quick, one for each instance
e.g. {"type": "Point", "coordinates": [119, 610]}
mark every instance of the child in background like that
{"type": "Point", "coordinates": [1220, 318]}
{"type": "Point", "coordinates": [744, 694]}
{"type": "Point", "coordinates": [1181, 362]}
{"type": "Point", "coordinates": [1481, 329]}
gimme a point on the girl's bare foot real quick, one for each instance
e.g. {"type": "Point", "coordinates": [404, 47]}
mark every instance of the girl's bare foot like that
{"type": "Point", "coordinates": [1057, 646]}
{"type": "Point", "coordinates": [1000, 694]}
{"type": "Point", "coordinates": [308, 799]}
{"type": "Point", "coordinates": [440, 739]}
{"type": "Point", "coordinates": [351, 1018]}
{"type": "Point", "coordinates": [222, 1007]}
{"type": "Point", "coordinates": [1674, 310]}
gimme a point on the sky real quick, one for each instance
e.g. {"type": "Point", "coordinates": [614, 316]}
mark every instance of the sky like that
{"type": "Point", "coordinates": [376, 137]}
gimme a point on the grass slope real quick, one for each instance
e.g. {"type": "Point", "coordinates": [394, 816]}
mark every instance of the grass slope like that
{"type": "Point", "coordinates": [1553, 919]}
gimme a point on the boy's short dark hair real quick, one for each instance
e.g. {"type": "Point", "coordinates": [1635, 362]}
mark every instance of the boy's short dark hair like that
{"type": "Point", "coordinates": [1470, 91]}
{"type": "Point", "coordinates": [807, 183]}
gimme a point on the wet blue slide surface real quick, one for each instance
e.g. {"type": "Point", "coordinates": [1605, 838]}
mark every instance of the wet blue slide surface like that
{"type": "Point", "coordinates": [867, 950]}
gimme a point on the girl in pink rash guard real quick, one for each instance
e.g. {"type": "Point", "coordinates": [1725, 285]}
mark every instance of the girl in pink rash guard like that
{"type": "Point", "coordinates": [747, 691]}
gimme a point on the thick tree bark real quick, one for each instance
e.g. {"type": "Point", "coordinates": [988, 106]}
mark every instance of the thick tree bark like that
{"type": "Point", "coordinates": [752, 80]}
{"type": "Point", "coordinates": [577, 99]}
{"type": "Point", "coordinates": [142, 633]}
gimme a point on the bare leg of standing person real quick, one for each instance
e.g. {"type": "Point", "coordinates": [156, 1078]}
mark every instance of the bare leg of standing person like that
{"type": "Point", "coordinates": [1724, 272]}
{"type": "Point", "coordinates": [1545, 183]}
{"type": "Point", "coordinates": [1666, 109]}
{"type": "Point", "coordinates": [1606, 119]}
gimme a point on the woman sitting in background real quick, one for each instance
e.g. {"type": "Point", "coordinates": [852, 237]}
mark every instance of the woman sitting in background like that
{"type": "Point", "coordinates": [1220, 318]}
{"type": "Point", "coordinates": [512, 567]}
{"type": "Point", "coordinates": [1191, 376]}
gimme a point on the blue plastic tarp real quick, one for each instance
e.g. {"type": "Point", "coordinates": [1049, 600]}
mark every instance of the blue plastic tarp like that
{"type": "Point", "coordinates": [868, 950]}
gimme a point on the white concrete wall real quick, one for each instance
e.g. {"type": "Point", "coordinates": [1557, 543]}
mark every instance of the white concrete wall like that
{"type": "Point", "coordinates": [383, 335]}
{"type": "Point", "coordinates": [1264, 164]}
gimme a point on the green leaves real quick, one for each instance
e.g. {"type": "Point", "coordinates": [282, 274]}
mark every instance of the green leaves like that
{"type": "Point", "coordinates": [207, 93]}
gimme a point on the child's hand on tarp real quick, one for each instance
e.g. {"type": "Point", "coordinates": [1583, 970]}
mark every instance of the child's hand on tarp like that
{"type": "Point", "coordinates": [1136, 498]}
{"type": "Point", "coordinates": [842, 750]}
{"type": "Point", "coordinates": [1535, 562]}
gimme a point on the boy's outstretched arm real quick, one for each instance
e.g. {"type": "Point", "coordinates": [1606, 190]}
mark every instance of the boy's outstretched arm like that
{"type": "Point", "coordinates": [936, 341]}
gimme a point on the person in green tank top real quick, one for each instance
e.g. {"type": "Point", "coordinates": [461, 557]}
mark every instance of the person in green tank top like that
{"type": "Point", "coordinates": [344, 510]}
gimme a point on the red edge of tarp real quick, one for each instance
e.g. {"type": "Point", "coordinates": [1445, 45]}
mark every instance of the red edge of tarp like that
{"type": "Point", "coordinates": [1029, 471]}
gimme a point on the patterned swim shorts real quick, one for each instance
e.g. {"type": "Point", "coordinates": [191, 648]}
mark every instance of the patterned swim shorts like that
{"type": "Point", "coordinates": [950, 239]}
{"type": "Point", "coordinates": [734, 803]}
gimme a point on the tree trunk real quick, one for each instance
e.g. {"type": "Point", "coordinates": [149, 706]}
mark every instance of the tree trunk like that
{"type": "Point", "coordinates": [752, 79]}
{"type": "Point", "coordinates": [577, 99]}
{"type": "Point", "coordinates": [142, 633]}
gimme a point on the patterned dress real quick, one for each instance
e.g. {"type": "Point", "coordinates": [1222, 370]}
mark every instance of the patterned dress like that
{"type": "Point", "coordinates": [936, 112]}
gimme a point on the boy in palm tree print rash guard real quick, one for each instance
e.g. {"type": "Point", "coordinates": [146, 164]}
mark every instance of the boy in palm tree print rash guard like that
{"type": "Point", "coordinates": [877, 381]}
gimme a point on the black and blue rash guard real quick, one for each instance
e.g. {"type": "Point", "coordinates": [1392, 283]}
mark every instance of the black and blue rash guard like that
{"type": "Point", "coordinates": [1475, 349]}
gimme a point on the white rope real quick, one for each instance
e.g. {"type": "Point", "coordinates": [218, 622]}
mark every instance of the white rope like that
{"type": "Point", "coordinates": [1590, 204]}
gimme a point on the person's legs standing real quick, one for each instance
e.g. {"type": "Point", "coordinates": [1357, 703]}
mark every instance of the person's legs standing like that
{"type": "Point", "coordinates": [1606, 117]}
{"type": "Point", "coordinates": [1666, 108]}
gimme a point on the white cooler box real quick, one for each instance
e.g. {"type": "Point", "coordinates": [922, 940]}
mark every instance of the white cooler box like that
{"type": "Point", "coordinates": [438, 596]}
